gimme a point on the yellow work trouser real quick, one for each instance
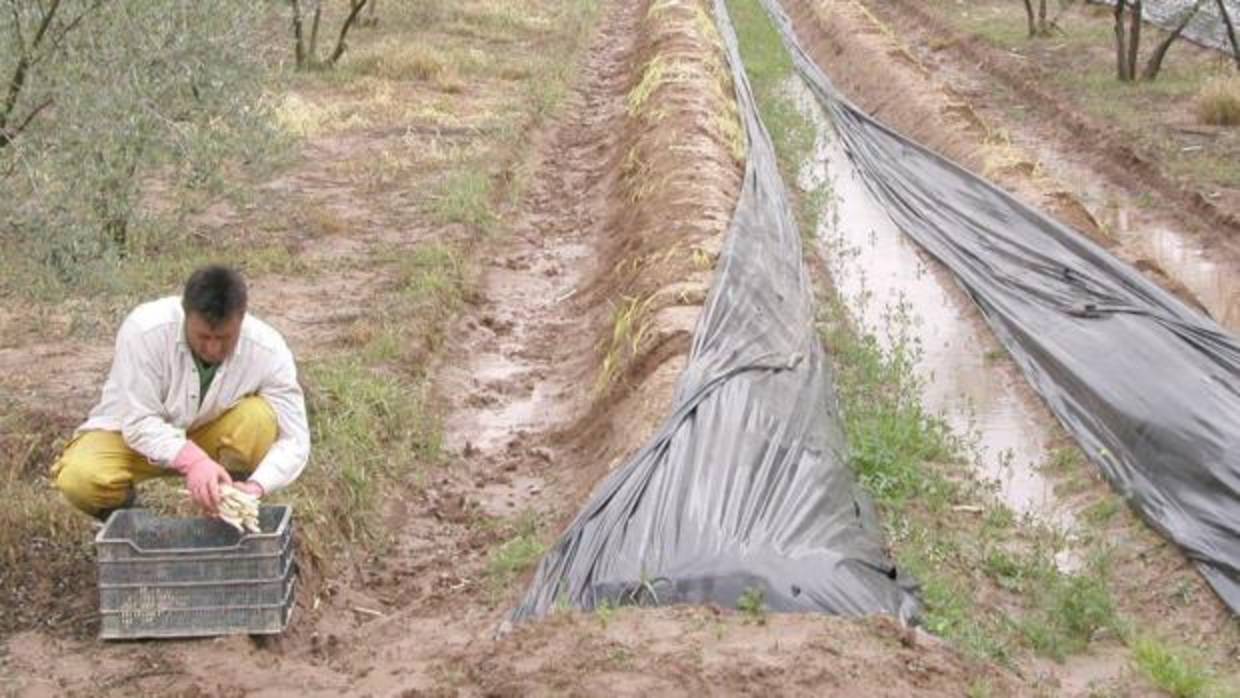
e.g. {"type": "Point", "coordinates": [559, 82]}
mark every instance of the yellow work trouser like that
{"type": "Point", "coordinates": [98, 470]}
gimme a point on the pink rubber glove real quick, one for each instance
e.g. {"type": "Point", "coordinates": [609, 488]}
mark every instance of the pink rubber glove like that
{"type": "Point", "coordinates": [203, 476]}
{"type": "Point", "coordinates": [250, 487]}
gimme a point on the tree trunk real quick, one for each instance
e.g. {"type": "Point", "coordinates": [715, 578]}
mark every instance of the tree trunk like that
{"type": "Point", "coordinates": [1121, 52]}
{"type": "Point", "coordinates": [314, 31]}
{"type": "Point", "coordinates": [1042, 28]}
{"type": "Point", "coordinates": [299, 48]}
{"type": "Point", "coordinates": [344, 30]}
{"type": "Point", "coordinates": [1134, 39]}
{"type": "Point", "coordinates": [1033, 28]}
{"type": "Point", "coordinates": [1231, 32]}
{"type": "Point", "coordinates": [1154, 64]}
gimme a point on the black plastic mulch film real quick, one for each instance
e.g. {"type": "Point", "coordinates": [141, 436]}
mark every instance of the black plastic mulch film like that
{"type": "Point", "coordinates": [1149, 387]}
{"type": "Point", "coordinates": [747, 486]}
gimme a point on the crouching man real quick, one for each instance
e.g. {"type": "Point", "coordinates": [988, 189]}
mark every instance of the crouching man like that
{"type": "Point", "coordinates": [198, 388]}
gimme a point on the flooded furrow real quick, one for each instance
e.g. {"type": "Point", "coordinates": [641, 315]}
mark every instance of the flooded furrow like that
{"type": "Point", "coordinates": [899, 294]}
{"type": "Point", "coordinates": [1153, 242]}
{"type": "Point", "coordinates": [1212, 283]}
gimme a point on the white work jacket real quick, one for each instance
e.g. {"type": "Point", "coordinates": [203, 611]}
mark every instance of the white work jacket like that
{"type": "Point", "coordinates": [151, 395]}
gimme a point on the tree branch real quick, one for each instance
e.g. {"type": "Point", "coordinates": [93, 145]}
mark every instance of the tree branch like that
{"type": "Point", "coordinates": [1134, 38]}
{"type": "Point", "coordinates": [17, 28]}
{"type": "Point", "coordinates": [314, 30]}
{"type": "Point", "coordinates": [1154, 64]}
{"type": "Point", "coordinates": [344, 30]}
{"type": "Point", "coordinates": [47, 21]}
{"type": "Point", "coordinates": [1231, 32]}
{"type": "Point", "coordinates": [60, 37]}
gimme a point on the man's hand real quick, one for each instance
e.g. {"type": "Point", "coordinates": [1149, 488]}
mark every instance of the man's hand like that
{"type": "Point", "coordinates": [203, 476]}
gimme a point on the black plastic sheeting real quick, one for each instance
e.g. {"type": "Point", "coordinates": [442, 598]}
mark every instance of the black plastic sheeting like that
{"type": "Point", "coordinates": [1149, 387]}
{"type": "Point", "coordinates": [746, 487]}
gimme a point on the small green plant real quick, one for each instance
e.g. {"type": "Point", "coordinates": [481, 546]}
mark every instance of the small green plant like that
{"type": "Point", "coordinates": [1102, 512]}
{"type": "Point", "coordinates": [752, 604]}
{"type": "Point", "coordinates": [516, 555]}
{"type": "Point", "coordinates": [465, 197]}
{"type": "Point", "coordinates": [1070, 610]}
{"type": "Point", "coordinates": [1062, 460]}
{"type": "Point", "coordinates": [606, 610]}
{"type": "Point", "coordinates": [1174, 671]}
{"type": "Point", "coordinates": [979, 688]}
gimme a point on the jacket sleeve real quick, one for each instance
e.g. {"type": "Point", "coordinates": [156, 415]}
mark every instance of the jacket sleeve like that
{"type": "Point", "coordinates": [288, 455]}
{"type": "Point", "coordinates": [138, 372]}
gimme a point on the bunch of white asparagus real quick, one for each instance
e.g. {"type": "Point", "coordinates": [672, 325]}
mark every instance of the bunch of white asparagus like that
{"type": "Point", "coordinates": [239, 509]}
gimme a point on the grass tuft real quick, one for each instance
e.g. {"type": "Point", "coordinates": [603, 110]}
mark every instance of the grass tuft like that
{"type": "Point", "coordinates": [1218, 102]}
{"type": "Point", "coordinates": [1175, 671]}
{"type": "Point", "coordinates": [370, 432]}
{"type": "Point", "coordinates": [516, 555]}
{"type": "Point", "coordinates": [630, 327]}
{"type": "Point", "coordinates": [465, 197]}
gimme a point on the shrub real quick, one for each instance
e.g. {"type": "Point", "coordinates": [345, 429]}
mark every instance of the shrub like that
{"type": "Point", "coordinates": [1219, 101]}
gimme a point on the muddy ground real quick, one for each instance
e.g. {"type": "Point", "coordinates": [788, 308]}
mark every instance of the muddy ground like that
{"type": "Point", "coordinates": [620, 216]}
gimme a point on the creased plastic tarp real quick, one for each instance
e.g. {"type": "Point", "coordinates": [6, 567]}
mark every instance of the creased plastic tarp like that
{"type": "Point", "coordinates": [1149, 388]}
{"type": "Point", "coordinates": [746, 485]}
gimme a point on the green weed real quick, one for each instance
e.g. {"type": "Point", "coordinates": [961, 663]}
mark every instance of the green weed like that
{"type": "Point", "coordinates": [752, 604]}
{"type": "Point", "coordinates": [516, 555]}
{"type": "Point", "coordinates": [1103, 511]}
{"type": "Point", "coordinates": [465, 197]}
{"type": "Point", "coordinates": [1176, 671]}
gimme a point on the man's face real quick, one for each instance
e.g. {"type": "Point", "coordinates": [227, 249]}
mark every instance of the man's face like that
{"type": "Point", "coordinates": [213, 343]}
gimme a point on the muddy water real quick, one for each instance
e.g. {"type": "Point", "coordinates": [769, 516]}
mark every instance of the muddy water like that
{"type": "Point", "coordinates": [1216, 286]}
{"type": "Point", "coordinates": [1140, 234]}
{"type": "Point", "coordinates": [896, 291]}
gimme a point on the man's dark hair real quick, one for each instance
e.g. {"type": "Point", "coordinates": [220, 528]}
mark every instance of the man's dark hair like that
{"type": "Point", "coordinates": [215, 292]}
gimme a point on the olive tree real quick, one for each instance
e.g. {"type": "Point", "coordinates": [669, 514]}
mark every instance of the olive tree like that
{"type": "Point", "coordinates": [113, 110]}
{"type": "Point", "coordinates": [1128, 41]}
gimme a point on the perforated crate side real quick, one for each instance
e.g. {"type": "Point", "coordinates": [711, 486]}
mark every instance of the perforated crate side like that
{"type": "Point", "coordinates": [136, 534]}
{"type": "Point", "coordinates": [158, 569]}
{"type": "Point", "coordinates": [239, 592]}
{"type": "Point", "coordinates": [157, 622]}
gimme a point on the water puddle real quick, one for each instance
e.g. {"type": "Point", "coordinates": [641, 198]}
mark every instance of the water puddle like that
{"type": "Point", "coordinates": [890, 284]}
{"type": "Point", "coordinates": [1213, 284]}
{"type": "Point", "coordinates": [1144, 236]}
